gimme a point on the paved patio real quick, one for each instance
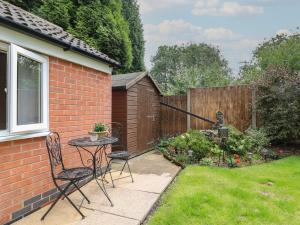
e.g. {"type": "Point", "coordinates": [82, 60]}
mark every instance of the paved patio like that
{"type": "Point", "coordinates": [132, 201]}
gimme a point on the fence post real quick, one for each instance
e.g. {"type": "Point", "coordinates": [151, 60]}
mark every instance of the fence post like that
{"type": "Point", "coordinates": [253, 106]}
{"type": "Point", "coordinates": [188, 108]}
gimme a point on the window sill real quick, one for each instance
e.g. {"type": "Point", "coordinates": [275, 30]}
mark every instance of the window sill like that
{"type": "Point", "coordinates": [14, 137]}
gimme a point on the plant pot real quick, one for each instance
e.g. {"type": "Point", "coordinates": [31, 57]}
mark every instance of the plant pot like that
{"type": "Point", "coordinates": [97, 135]}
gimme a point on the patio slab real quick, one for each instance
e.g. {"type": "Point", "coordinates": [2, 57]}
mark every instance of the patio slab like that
{"type": "Point", "coordinates": [132, 201]}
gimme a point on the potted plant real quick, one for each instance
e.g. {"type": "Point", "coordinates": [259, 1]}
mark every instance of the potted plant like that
{"type": "Point", "coordinates": [99, 131]}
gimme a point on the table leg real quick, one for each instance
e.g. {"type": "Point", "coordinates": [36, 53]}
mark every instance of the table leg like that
{"type": "Point", "coordinates": [102, 188]}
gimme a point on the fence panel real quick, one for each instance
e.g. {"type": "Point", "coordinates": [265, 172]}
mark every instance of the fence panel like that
{"type": "Point", "coordinates": [173, 122]}
{"type": "Point", "coordinates": [233, 101]}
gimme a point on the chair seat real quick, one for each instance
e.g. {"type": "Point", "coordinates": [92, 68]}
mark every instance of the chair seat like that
{"type": "Point", "coordinates": [119, 155]}
{"type": "Point", "coordinates": [75, 173]}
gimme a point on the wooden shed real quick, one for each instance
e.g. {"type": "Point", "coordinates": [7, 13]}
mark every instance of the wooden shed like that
{"type": "Point", "coordinates": [135, 104]}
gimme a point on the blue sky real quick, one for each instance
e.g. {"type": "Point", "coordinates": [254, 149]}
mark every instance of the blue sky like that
{"type": "Point", "coordinates": [235, 26]}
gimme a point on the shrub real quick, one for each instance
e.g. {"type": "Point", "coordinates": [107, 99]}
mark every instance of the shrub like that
{"type": "Point", "coordinates": [237, 142]}
{"type": "Point", "coordinates": [197, 142]}
{"type": "Point", "coordinates": [259, 139]}
{"type": "Point", "coordinates": [279, 104]}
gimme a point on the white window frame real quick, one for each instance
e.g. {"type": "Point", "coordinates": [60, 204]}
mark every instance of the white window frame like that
{"type": "Point", "coordinates": [14, 127]}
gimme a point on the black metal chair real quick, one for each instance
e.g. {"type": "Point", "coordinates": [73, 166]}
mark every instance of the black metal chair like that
{"type": "Point", "coordinates": [119, 152]}
{"type": "Point", "coordinates": [59, 173]}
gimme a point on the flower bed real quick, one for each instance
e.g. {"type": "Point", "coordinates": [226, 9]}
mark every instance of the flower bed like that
{"type": "Point", "coordinates": [206, 148]}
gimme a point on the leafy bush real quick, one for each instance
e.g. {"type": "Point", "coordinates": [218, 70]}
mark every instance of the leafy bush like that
{"type": "Point", "coordinates": [279, 104]}
{"type": "Point", "coordinates": [258, 138]}
{"type": "Point", "coordinates": [207, 151]}
{"type": "Point", "coordinates": [197, 142]}
{"type": "Point", "coordinates": [237, 142]}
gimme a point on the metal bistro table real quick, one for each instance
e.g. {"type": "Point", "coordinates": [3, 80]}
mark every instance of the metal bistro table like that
{"type": "Point", "coordinates": [97, 156]}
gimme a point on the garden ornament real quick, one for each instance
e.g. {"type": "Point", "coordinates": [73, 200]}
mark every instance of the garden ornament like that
{"type": "Point", "coordinates": [220, 119]}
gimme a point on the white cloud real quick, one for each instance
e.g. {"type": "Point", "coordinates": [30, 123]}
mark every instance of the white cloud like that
{"type": "Point", "coordinates": [219, 33]}
{"type": "Point", "coordinates": [147, 6]}
{"type": "Point", "coordinates": [229, 8]}
{"type": "Point", "coordinates": [245, 43]}
{"type": "Point", "coordinates": [171, 32]}
{"type": "Point", "coordinates": [283, 31]}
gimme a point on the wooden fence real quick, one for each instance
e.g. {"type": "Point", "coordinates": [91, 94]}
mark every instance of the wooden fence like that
{"type": "Point", "coordinates": [235, 102]}
{"type": "Point", "coordinates": [173, 122]}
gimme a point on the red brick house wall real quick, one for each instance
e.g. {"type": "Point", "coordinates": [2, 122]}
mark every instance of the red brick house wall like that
{"type": "Point", "coordinates": [79, 97]}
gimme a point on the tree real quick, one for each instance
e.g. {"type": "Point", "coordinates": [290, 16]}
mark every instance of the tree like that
{"type": "Point", "coordinates": [275, 70]}
{"type": "Point", "coordinates": [102, 26]}
{"type": "Point", "coordinates": [100, 23]}
{"type": "Point", "coordinates": [278, 104]}
{"type": "Point", "coordinates": [177, 68]}
{"type": "Point", "coordinates": [56, 11]}
{"type": "Point", "coordinates": [280, 51]}
{"type": "Point", "coordinates": [132, 14]}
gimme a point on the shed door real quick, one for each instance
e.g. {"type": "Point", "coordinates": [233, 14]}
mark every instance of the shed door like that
{"type": "Point", "coordinates": [146, 118]}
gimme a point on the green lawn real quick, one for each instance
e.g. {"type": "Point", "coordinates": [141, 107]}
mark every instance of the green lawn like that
{"type": "Point", "coordinates": [262, 194]}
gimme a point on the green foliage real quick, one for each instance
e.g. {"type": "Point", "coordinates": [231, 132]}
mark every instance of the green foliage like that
{"type": "Point", "coordinates": [99, 127]}
{"type": "Point", "coordinates": [237, 142]}
{"type": "Point", "coordinates": [195, 141]}
{"type": "Point", "coordinates": [177, 68]}
{"type": "Point", "coordinates": [103, 27]}
{"type": "Point", "coordinates": [206, 162]}
{"type": "Point", "coordinates": [279, 104]}
{"type": "Point", "coordinates": [282, 51]}
{"type": "Point", "coordinates": [107, 25]}
{"type": "Point", "coordinates": [253, 140]}
{"type": "Point", "coordinates": [132, 14]}
{"type": "Point", "coordinates": [275, 70]}
{"type": "Point", "coordinates": [258, 139]}
{"type": "Point", "coordinates": [249, 73]}
{"type": "Point", "coordinates": [56, 11]}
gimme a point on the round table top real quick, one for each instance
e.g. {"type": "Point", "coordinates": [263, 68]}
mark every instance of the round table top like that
{"type": "Point", "coordinates": [86, 141]}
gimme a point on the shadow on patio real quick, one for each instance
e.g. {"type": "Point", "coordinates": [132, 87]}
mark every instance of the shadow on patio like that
{"type": "Point", "coordinates": [132, 201]}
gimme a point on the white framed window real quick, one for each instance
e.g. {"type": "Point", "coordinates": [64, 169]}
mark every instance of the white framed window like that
{"type": "Point", "coordinates": [27, 106]}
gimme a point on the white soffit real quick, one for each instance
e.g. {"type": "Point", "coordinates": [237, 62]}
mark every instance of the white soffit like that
{"type": "Point", "coordinates": [38, 45]}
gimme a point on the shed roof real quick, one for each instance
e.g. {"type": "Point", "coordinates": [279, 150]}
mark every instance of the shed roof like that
{"type": "Point", "coordinates": [16, 17]}
{"type": "Point", "coordinates": [125, 81]}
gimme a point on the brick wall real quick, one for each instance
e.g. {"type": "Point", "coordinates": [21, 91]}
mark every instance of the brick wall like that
{"type": "Point", "coordinates": [79, 97]}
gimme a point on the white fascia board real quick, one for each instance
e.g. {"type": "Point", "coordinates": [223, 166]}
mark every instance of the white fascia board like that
{"type": "Point", "coordinates": [38, 45]}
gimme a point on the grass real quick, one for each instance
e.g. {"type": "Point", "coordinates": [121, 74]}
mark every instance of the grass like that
{"type": "Point", "coordinates": [264, 194]}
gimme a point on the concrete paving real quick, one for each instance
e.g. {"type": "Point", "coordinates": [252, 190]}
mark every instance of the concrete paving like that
{"type": "Point", "coordinates": [132, 201]}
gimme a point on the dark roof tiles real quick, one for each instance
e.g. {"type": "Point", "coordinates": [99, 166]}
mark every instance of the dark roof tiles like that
{"type": "Point", "coordinates": [125, 81]}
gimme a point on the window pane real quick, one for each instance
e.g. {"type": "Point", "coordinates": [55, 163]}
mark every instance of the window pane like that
{"type": "Point", "coordinates": [3, 105]}
{"type": "Point", "coordinates": [29, 91]}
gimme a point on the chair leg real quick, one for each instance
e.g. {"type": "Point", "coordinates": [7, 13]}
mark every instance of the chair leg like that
{"type": "Point", "coordinates": [62, 192]}
{"type": "Point", "coordinates": [76, 186]}
{"type": "Point", "coordinates": [74, 206]}
{"type": "Point", "coordinates": [112, 181]}
{"type": "Point", "coordinates": [123, 168]}
{"type": "Point", "coordinates": [129, 170]}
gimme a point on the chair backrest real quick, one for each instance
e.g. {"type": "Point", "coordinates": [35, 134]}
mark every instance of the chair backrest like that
{"type": "Point", "coordinates": [117, 130]}
{"type": "Point", "coordinates": [54, 151]}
